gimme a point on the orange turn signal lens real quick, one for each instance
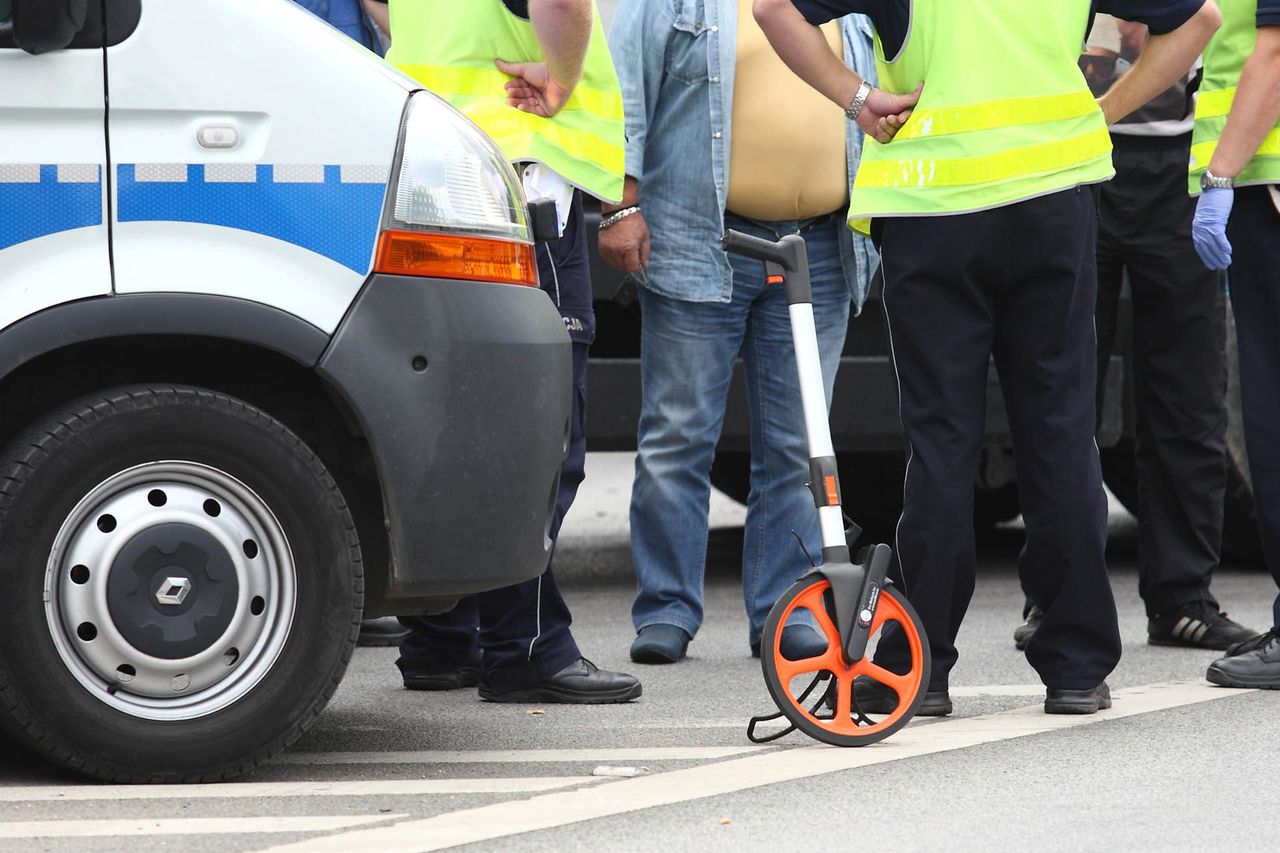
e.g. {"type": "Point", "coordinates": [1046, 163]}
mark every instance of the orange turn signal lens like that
{"type": "Point", "coordinates": [456, 256]}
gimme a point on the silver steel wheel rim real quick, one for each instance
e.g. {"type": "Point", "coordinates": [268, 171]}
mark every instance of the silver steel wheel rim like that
{"type": "Point", "coordinates": [112, 669]}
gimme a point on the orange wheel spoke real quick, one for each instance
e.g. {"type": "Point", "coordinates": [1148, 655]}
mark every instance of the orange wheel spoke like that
{"type": "Point", "coordinates": [887, 610]}
{"type": "Point", "coordinates": [825, 626]}
{"type": "Point", "coordinates": [901, 684]}
{"type": "Point", "coordinates": [844, 700]}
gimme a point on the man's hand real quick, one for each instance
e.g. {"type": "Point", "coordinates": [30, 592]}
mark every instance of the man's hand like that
{"type": "Point", "coordinates": [625, 245]}
{"type": "Point", "coordinates": [884, 113]}
{"type": "Point", "coordinates": [533, 89]}
{"type": "Point", "coordinates": [1209, 228]}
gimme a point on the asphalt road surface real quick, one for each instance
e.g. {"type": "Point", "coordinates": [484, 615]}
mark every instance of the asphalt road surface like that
{"type": "Point", "coordinates": [1177, 764]}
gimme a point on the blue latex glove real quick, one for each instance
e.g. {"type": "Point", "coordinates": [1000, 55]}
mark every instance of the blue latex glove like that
{"type": "Point", "coordinates": [1209, 228]}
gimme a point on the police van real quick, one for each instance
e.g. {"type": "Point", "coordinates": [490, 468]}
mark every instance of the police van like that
{"type": "Point", "coordinates": [272, 357]}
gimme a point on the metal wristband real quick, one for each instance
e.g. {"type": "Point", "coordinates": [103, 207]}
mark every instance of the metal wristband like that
{"type": "Point", "coordinates": [619, 215]}
{"type": "Point", "coordinates": [1210, 181]}
{"type": "Point", "coordinates": [859, 101]}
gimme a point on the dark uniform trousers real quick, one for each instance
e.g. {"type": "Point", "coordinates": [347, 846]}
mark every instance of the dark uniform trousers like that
{"type": "Point", "coordinates": [1017, 283]}
{"type": "Point", "coordinates": [1179, 366]}
{"type": "Point", "coordinates": [1254, 231]}
{"type": "Point", "coordinates": [523, 630]}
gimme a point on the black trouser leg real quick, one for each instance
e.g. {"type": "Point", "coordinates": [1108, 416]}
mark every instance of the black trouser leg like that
{"type": "Point", "coordinates": [1046, 355]}
{"type": "Point", "coordinates": [1017, 281]}
{"type": "Point", "coordinates": [939, 315]}
{"type": "Point", "coordinates": [1179, 368]}
{"type": "Point", "coordinates": [1255, 299]}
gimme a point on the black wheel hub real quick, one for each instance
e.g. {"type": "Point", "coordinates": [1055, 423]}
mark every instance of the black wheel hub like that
{"type": "Point", "coordinates": [172, 591]}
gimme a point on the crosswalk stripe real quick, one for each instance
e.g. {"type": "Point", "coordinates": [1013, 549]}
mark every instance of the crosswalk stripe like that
{"type": "Point", "coordinates": [256, 790]}
{"type": "Point", "coordinates": [548, 811]}
{"type": "Point", "coordinates": [185, 826]}
{"type": "Point", "coordinates": [520, 756]}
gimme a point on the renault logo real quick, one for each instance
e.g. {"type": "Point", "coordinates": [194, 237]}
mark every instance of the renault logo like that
{"type": "Point", "coordinates": [173, 591]}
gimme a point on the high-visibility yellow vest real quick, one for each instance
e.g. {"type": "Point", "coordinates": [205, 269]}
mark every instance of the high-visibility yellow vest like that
{"type": "Point", "coordinates": [1005, 114]}
{"type": "Point", "coordinates": [1224, 60]}
{"type": "Point", "coordinates": [449, 46]}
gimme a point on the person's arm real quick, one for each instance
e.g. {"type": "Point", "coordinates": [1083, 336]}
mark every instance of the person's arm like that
{"type": "Point", "coordinates": [804, 48]}
{"type": "Point", "coordinates": [377, 10]}
{"type": "Point", "coordinates": [1165, 59]}
{"type": "Point", "coordinates": [1254, 112]}
{"type": "Point", "coordinates": [563, 30]}
{"type": "Point", "coordinates": [1256, 109]}
{"type": "Point", "coordinates": [638, 38]}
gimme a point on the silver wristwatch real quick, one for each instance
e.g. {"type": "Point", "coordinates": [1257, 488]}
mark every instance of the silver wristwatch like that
{"type": "Point", "coordinates": [1210, 181]}
{"type": "Point", "coordinates": [859, 101]}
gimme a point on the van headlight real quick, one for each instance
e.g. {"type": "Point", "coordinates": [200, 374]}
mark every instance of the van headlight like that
{"type": "Point", "coordinates": [458, 209]}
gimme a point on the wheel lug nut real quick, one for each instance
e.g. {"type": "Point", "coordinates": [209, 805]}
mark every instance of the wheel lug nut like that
{"type": "Point", "coordinates": [180, 682]}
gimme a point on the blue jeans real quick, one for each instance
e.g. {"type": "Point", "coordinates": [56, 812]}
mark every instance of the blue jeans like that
{"type": "Point", "coordinates": [688, 352]}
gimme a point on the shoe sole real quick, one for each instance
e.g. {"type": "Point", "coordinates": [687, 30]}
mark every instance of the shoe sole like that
{"type": "Point", "coordinates": [445, 681]}
{"type": "Point", "coordinates": [653, 656]}
{"type": "Point", "coordinates": [925, 709]}
{"type": "Point", "coordinates": [1215, 676]}
{"type": "Point", "coordinates": [1181, 644]}
{"type": "Point", "coordinates": [1076, 708]}
{"type": "Point", "coordinates": [560, 696]}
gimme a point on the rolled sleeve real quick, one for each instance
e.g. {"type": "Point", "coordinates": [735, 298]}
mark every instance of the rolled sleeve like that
{"type": "Point", "coordinates": [1160, 16]}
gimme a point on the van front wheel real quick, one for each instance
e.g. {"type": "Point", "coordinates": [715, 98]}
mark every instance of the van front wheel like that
{"type": "Point", "coordinates": [183, 585]}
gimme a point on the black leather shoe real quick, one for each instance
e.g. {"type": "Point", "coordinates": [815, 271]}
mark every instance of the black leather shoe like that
{"type": "Point", "coordinates": [579, 683]}
{"type": "Point", "coordinates": [1077, 701]}
{"type": "Point", "coordinates": [1252, 664]}
{"type": "Point", "coordinates": [386, 631]}
{"type": "Point", "coordinates": [873, 697]}
{"type": "Point", "coordinates": [431, 678]}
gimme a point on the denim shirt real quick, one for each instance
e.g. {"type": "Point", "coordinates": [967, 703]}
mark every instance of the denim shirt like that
{"type": "Point", "coordinates": [676, 61]}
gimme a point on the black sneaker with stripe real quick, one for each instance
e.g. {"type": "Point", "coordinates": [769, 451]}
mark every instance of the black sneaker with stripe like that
{"type": "Point", "coordinates": [1200, 625]}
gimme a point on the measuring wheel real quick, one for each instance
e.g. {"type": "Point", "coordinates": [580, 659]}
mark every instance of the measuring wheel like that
{"type": "Point", "coordinates": [826, 697]}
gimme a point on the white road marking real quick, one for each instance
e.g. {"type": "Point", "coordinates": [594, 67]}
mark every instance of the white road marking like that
{"type": "Point", "coordinates": [771, 767]}
{"type": "Point", "coordinates": [520, 756]}
{"type": "Point", "coordinates": [257, 790]}
{"type": "Point", "coordinates": [184, 826]}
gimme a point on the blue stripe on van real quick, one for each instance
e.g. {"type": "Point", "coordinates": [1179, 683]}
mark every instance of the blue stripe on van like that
{"type": "Point", "coordinates": [31, 210]}
{"type": "Point", "coordinates": [335, 219]}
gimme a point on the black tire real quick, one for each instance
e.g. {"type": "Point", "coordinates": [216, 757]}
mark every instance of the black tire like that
{"type": "Point", "coordinates": [49, 700]}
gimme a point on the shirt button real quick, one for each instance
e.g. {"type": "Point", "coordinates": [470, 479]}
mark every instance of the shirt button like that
{"type": "Point", "coordinates": [716, 134]}
{"type": "Point", "coordinates": [715, 79]}
{"type": "Point", "coordinates": [715, 29]}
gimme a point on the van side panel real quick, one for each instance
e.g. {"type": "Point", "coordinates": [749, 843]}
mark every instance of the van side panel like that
{"type": "Point", "coordinates": [53, 232]}
{"type": "Point", "coordinates": [256, 165]}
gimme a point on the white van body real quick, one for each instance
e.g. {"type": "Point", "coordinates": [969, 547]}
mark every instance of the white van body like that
{"type": "Point", "coordinates": [236, 420]}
